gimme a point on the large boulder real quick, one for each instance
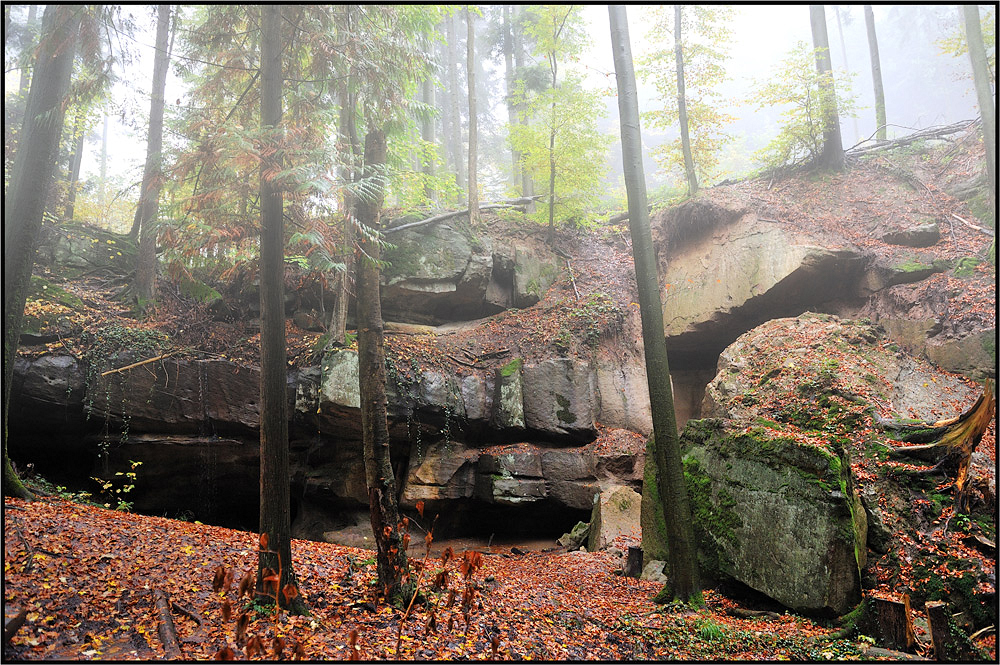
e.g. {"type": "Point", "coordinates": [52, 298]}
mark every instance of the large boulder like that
{"type": "Point", "coordinates": [181, 396]}
{"type": "Point", "coordinates": [615, 513]}
{"type": "Point", "coordinates": [801, 443]}
{"type": "Point", "coordinates": [775, 515]}
{"type": "Point", "coordinates": [559, 397]}
{"type": "Point", "coordinates": [436, 273]}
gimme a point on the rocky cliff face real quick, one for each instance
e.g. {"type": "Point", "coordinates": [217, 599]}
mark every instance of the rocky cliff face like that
{"type": "Point", "coordinates": [518, 384]}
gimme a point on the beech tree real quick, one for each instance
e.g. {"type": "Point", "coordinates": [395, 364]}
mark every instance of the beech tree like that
{"type": "Point", "coordinates": [984, 95]}
{"type": "Point", "coordinates": [470, 49]}
{"type": "Point", "coordinates": [880, 121]}
{"type": "Point", "coordinates": [832, 154]}
{"type": "Point", "coordinates": [32, 173]}
{"type": "Point", "coordinates": [683, 583]}
{"type": "Point", "coordinates": [145, 224]}
{"type": "Point", "coordinates": [275, 574]}
{"type": "Point", "coordinates": [685, 78]}
{"type": "Point", "coordinates": [560, 144]}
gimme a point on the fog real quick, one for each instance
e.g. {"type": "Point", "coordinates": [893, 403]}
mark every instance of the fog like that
{"type": "Point", "coordinates": [923, 87]}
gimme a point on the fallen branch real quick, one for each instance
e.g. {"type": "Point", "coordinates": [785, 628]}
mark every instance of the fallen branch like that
{"type": "Point", "coordinates": [988, 232]}
{"type": "Point", "coordinates": [930, 132]}
{"type": "Point", "coordinates": [455, 213]}
{"type": "Point", "coordinates": [11, 625]}
{"type": "Point", "coordinates": [462, 362]}
{"type": "Point", "coordinates": [166, 630]}
{"type": "Point", "coordinates": [141, 362]}
{"type": "Point", "coordinates": [189, 613]}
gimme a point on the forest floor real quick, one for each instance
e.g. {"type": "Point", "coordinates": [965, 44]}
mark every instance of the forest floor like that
{"type": "Point", "coordinates": [88, 578]}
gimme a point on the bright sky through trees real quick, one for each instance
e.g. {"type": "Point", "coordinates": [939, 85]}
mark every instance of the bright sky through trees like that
{"type": "Point", "coordinates": [762, 36]}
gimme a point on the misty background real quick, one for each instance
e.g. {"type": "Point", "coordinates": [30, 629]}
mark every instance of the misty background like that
{"type": "Point", "coordinates": [924, 86]}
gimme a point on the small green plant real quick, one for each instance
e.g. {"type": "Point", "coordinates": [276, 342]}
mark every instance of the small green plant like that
{"type": "Point", "coordinates": [799, 89]}
{"type": "Point", "coordinates": [710, 631]}
{"type": "Point", "coordinates": [114, 493]}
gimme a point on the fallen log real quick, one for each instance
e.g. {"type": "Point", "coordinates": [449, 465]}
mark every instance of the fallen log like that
{"type": "Point", "coordinates": [455, 213]}
{"type": "Point", "coordinates": [166, 630]}
{"type": "Point", "coordinates": [12, 621]}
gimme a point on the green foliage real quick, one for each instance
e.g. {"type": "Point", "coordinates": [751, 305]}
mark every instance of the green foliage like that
{"type": "Point", "coordinates": [798, 89]}
{"type": "Point", "coordinates": [706, 38]}
{"type": "Point", "coordinates": [116, 490]}
{"type": "Point", "coordinates": [577, 150]}
{"type": "Point", "coordinates": [955, 44]}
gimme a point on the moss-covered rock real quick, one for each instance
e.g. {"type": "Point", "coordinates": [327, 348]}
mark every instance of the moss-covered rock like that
{"type": "Point", "coordinates": [772, 513]}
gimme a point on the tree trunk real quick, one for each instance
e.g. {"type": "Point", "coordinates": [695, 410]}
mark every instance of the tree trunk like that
{"type": "Point", "coordinates": [683, 581]}
{"type": "Point", "coordinates": [31, 175]}
{"type": "Point", "coordinates": [427, 134]}
{"type": "Point", "coordinates": [832, 156]}
{"type": "Point", "coordinates": [527, 184]}
{"type": "Point", "coordinates": [443, 99]}
{"type": "Point", "coordinates": [350, 152]}
{"type": "Point", "coordinates": [455, 140]}
{"type": "Point", "coordinates": [152, 173]}
{"type": "Point", "coordinates": [981, 78]}
{"type": "Point", "coordinates": [470, 50]}
{"type": "Point", "coordinates": [391, 561]}
{"type": "Point", "coordinates": [876, 74]}
{"type": "Point", "coordinates": [26, 43]}
{"type": "Point", "coordinates": [554, 69]}
{"type": "Point", "coordinates": [692, 178]}
{"type": "Point", "coordinates": [275, 510]}
{"type": "Point", "coordinates": [77, 160]}
{"type": "Point", "coordinates": [508, 61]}
{"type": "Point", "coordinates": [102, 193]}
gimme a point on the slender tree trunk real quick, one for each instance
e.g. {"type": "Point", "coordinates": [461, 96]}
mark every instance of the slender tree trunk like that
{"type": "Point", "coordinates": [847, 65]}
{"type": "Point", "coordinates": [275, 509]}
{"type": "Point", "coordinates": [692, 177]}
{"type": "Point", "coordinates": [444, 105]}
{"type": "Point", "coordinates": [553, 68]}
{"type": "Point", "coordinates": [31, 175]}
{"type": "Point", "coordinates": [470, 50]}
{"type": "Point", "coordinates": [455, 140]}
{"type": "Point", "coordinates": [832, 156]}
{"type": "Point", "coordinates": [75, 162]}
{"type": "Point", "coordinates": [102, 193]}
{"type": "Point", "coordinates": [26, 43]}
{"type": "Point", "coordinates": [342, 279]}
{"type": "Point", "coordinates": [880, 120]}
{"type": "Point", "coordinates": [683, 583]}
{"type": "Point", "coordinates": [427, 134]}
{"type": "Point", "coordinates": [391, 560]}
{"type": "Point", "coordinates": [527, 184]}
{"type": "Point", "coordinates": [152, 174]}
{"type": "Point", "coordinates": [508, 60]}
{"type": "Point", "coordinates": [981, 79]}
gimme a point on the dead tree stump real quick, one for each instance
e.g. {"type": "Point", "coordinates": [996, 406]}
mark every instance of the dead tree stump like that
{"type": "Point", "coordinates": [895, 625]}
{"type": "Point", "coordinates": [633, 562]}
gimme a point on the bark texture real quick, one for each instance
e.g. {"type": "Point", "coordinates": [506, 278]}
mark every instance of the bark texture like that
{"type": "Point", "coordinates": [31, 176]}
{"type": "Point", "coordinates": [832, 156]}
{"type": "Point", "coordinates": [390, 556]}
{"type": "Point", "coordinates": [683, 582]}
{"type": "Point", "coordinates": [275, 556]}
